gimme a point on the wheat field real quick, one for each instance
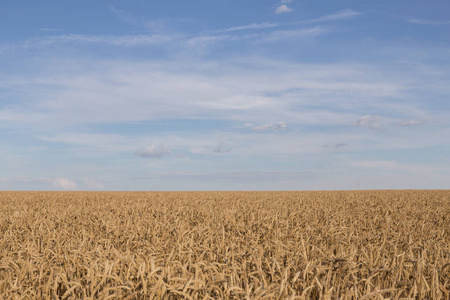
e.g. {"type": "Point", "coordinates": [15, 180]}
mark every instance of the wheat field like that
{"type": "Point", "coordinates": [225, 245]}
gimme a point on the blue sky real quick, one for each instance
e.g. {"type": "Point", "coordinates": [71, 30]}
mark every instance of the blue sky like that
{"type": "Point", "coordinates": [224, 95]}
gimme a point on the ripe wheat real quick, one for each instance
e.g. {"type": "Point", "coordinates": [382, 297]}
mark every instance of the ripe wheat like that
{"type": "Point", "coordinates": [225, 245]}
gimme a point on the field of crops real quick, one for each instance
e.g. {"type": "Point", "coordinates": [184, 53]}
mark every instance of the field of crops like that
{"type": "Point", "coordinates": [225, 245]}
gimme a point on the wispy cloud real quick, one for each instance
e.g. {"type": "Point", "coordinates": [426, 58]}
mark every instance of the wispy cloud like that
{"type": "Point", "coordinates": [412, 123]}
{"type": "Point", "coordinates": [264, 25]}
{"type": "Point", "coordinates": [109, 92]}
{"type": "Point", "coordinates": [427, 22]}
{"type": "Point", "coordinates": [154, 150]}
{"type": "Point", "coordinates": [109, 40]}
{"type": "Point", "coordinates": [202, 41]}
{"type": "Point", "coordinates": [278, 35]}
{"type": "Point", "coordinates": [283, 9]}
{"type": "Point", "coordinates": [265, 37]}
{"type": "Point", "coordinates": [261, 128]}
{"type": "Point", "coordinates": [338, 16]}
{"type": "Point", "coordinates": [125, 41]}
{"type": "Point", "coordinates": [161, 37]}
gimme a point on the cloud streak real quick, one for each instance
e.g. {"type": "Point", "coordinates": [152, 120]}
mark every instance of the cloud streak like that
{"type": "Point", "coordinates": [279, 35]}
{"type": "Point", "coordinates": [253, 26]}
{"type": "Point", "coordinates": [428, 22]}
{"type": "Point", "coordinates": [274, 127]}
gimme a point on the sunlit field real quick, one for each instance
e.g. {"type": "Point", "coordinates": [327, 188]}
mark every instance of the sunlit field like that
{"type": "Point", "coordinates": [225, 245]}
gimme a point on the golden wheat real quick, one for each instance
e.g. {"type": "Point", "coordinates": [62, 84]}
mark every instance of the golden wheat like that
{"type": "Point", "coordinates": [225, 245]}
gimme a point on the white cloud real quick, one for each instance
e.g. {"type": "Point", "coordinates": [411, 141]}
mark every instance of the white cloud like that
{"type": "Point", "coordinates": [369, 121]}
{"type": "Point", "coordinates": [65, 183]}
{"type": "Point", "coordinates": [154, 150]}
{"type": "Point", "coordinates": [283, 9]}
{"type": "Point", "coordinates": [427, 22]}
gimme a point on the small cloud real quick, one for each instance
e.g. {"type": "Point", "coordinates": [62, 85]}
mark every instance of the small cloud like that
{"type": "Point", "coordinates": [283, 9]}
{"type": "Point", "coordinates": [368, 121]}
{"type": "Point", "coordinates": [154, 151]}
{"type": "Point", "coordinates": [277, 126]}
{"type": "Point", "coordinates": [221, 148]}
{"type": "Point", "coordinates": [65, 183]}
